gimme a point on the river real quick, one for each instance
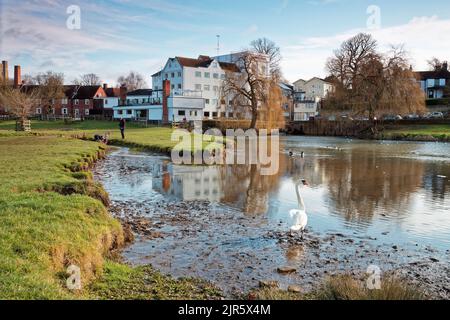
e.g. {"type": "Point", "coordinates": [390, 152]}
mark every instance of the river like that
{"type": "Point", "coordinates": [381, 203]}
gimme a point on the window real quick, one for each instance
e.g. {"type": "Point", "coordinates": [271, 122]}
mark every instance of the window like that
{"type": "Point", "coordinates": [214, 114]}
{"type": "Point", "coordinates": [166, 76]}
{"type": "Point", "coordinates": [38, 111]}
{"type": "Point", "coordinates": [198, 74]}
{"type": "Point", "coordinates": [207, 87]}
{"type": "Point", "coordinates": [86, 102]}
{"type": "Point", "coordinates": [106, 101]}
{"type": "Point", "coordinates": [86, 112]}
{"type": "Point", "coordinates": [216, 76]}
{"type": "Point", "coordinates": [207, 75]}
{"type": "Point", "coordinates": [120, 112]}
{"type": "Point", "coordinates": [179, 74]}
{"type": "Point", "coordinates": [64, 101]}
{"type": "Point", "coordinates": [181, 112]}
{"type": "Point", "coordinates": [198, 87]}
{"type": "Point", "coordinates": [442, 82]}
{"type": "Point", "coordinates": [77, 102]}
{"type": "Point", "coordinates": [179, 86]}
{"type": "Point", "coordinates": [215, 102]}
{"type": "Point", "coordinates": [173, 74]}
{"type": "Point", "coordinates": [173, 86]}
{"type": "Point", "coordinates": [64, 111]}
{"type": "Point", "coordinates": [230, 115]}
{"type": "Point", "coordinates": [207, 101]}
{"type": "Point", "coordinates": [129, 112]}
{"type": "Point", "coordinates": [206, 114]}
{"type": "Point", "coordinates": [223, 114]}
{"type": "Point", "coordinates": [222, 76]}
{"type": "Point", "coordinates": [216, 88]}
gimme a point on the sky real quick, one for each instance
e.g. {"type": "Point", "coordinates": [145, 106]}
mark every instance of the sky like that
{"type": "Point", "coordinates": [117, 36]}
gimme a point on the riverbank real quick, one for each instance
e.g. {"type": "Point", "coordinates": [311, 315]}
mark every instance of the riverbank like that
{"type": "Point", "coordinates": [431, 133]}
{"type": "Point", "coordinates": [54, 215]}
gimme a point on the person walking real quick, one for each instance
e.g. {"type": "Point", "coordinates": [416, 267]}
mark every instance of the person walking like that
{"type": "Point", "coordinates": [122, 127]}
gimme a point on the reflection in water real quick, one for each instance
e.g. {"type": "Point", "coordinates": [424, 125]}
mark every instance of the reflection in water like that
{"type": "Point", "coordinates": [370, 186]}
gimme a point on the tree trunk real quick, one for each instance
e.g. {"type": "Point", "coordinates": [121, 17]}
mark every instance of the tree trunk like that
{"type": "Point", "coordinates": [254, 119]}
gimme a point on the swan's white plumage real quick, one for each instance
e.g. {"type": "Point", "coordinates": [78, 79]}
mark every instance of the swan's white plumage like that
{"type": "Point", "coordinates": [298, 220]}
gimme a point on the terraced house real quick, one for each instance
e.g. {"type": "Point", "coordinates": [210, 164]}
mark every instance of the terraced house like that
{"type": "Point", "coordinates": [434, 83]}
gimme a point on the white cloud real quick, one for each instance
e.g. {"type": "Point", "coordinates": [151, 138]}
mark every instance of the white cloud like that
{"type": "Point", "coordinates": [423, 37]}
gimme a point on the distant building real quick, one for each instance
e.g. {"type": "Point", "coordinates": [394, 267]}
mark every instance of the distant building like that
{"type": "Point", "coordinates": [307, 97]}
{"type": "Point", "coordinates": [433, 83]}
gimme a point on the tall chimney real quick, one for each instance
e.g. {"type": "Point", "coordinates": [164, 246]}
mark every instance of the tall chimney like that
{"type": "Point", "coordinates": [105, 86]}
{"type": "Point", "coordinates": [5, 70]}
{"type": "Point", "coordinates": [445, 65]}
{"type": "Point", "coordinates": [123, 95]}
{"type": "Point", "coordinates": [165, 106]}
{"type": "Point", "coordinates": [17, 76]}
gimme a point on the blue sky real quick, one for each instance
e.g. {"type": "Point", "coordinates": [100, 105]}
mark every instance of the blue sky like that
{"type": "Point", "coordinates": [117, 36]}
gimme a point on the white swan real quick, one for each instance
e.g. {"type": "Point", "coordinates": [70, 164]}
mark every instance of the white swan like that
{"type": "Point", "coordinates": [299, 218]}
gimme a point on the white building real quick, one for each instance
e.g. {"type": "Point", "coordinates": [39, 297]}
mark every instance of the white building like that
{"type": "Point", "coordinates": [147, 104]}
{"type": "Point", "coordinates": [201, 77]}
{"type": "Point", "coordinates": [314, 88]}
{"type": "Point", "coordinates": [307, 97]}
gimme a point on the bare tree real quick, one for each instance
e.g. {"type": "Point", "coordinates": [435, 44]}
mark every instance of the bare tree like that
{"type": "Point", "coordinates": [371, 84]}
{"type": "Point", "coordinates": [249, 88]}
{"type": "Point", "coordinates": [269, 48]}
{"type": "Point", "coordinates": [347, 61]}
{"type": "Point", "coordinates": [19, 102]}
{"type": "Point", "coordinates": [132, 81]}
{"type": "Point", "coordinates": [435, 64]}
{"type": "Point", "coordinates": [89, 79]}
{"type": "Point", "coordinates": [51, 88]}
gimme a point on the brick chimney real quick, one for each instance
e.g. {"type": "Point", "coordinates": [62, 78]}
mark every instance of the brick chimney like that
{"type": "Point", "coordinates": [105, 86]}
{"type": "Point", "coordinates": [17, 76]}
{"type": "Point", "coordinates": [5, 70]}
{"type": "Point", "coordinates": [166, 94]}
{"type": "Point", "coordinates": [445, 66]}
{"type": "Point", "coordinates": [123, 94]}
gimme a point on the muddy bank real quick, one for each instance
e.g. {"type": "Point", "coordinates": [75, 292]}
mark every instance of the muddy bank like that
{"type": "Point", "coordinates": [238, 254]}
{"type": "Point", "coordinates": [237, 251]}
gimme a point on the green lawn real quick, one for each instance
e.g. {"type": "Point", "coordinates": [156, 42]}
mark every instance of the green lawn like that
{"type": "Point", "coordinates": [437, 131]}
{"type": "Point", "coordinates": [48, 218]}
{"type": "Point", "coordinates": [153, 138]}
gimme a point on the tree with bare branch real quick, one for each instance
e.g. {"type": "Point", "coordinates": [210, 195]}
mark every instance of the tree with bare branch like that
{"type": "Point", "coordinates": [89, 79]}
{"type": "Point", "coordinates": [132, 81]}
{"type": "Point", "coordinates": [51, 88]}
{"type": "Point", "coordinates": [19, 102]}
{"type": "Point", "coordinates": [371, 84]}
{"type": "Point", "coordinates": [269, 48]}
{"type": "Point", "coordinates": [248, 88]}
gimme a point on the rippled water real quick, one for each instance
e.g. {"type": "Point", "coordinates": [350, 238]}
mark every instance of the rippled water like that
{"type": "Point", "coordinates": [397, 192]}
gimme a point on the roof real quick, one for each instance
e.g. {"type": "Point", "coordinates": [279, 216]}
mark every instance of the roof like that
{"type": "Point", "coordinates": [205, 62]}
{"type": "Point", "coordinates": [286, 86]}
{"type": "Point", "coordinates": [112, 92]}
{"type": "Point", "coordinates": [140, 92]}
{"type": "Point", "coordinates": [156, 74]}
{"type": "Point", "coordinates": [314, 78]}
{"type": "Point", "coordinates": [436, 74]}
{"type": "Point", "coordinates": [73, 91]}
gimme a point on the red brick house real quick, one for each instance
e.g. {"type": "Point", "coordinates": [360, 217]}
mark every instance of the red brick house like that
{"type": "Point", "coordinates": [79, 102]}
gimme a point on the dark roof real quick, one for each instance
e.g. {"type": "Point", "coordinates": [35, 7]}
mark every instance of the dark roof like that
{"type": "Point", "coordinates": [156, 74]}
{"type": "Point", "coordinates": [73, 91]}
{"type": "Point", "coordinates": [205, 62]}
{"type": "Point", "coordinates": [436, 74]}
{"type": "Point", "coordinates": [112, 92]}
{"type": "Point", "coordinates": [140, 92]}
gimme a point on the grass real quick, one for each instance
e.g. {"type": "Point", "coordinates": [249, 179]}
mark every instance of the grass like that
{"type": "Point", "coordinates": [345, 287]}
{"type": "Point", "coordinates": [121, 282]}
{"type": "Point", "coordinates": [438, 132]}
{"type": "Point", "coordinates": [153, 138]}
{"type": "Point", "coordinates": [49, 218]}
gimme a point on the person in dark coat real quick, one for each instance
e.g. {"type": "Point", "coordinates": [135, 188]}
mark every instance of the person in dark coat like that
{"type": "Point", "coordinates": [122, 127]}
